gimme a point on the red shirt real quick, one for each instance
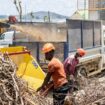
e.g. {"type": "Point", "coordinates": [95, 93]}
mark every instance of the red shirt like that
{"type": "Point", "coordinates": [72, 61]}
{"type": "Point", "coordinates": [58, 73]}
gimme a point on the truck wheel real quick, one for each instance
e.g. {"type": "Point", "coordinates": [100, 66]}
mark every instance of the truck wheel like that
{"type": "Point", "coordinates": [82, 71]}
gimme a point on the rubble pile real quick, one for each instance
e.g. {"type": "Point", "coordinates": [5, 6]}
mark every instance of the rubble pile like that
{"type": "Point", "coordinates": [90, 94]}
{"type": "Point", "coordinates": [13, 90]}
{"type": "Point", "coordinates": [93, 93]}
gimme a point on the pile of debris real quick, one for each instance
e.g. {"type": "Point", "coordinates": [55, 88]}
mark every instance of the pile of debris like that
{"type": "Point", "coordinates": [13, 90]}
{"type": "Point", "coordinates": [94, 91]}
{"type": "Point", "coordinates": [91, 93]}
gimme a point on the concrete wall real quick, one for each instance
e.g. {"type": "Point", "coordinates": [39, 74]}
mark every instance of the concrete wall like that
{"type": "Point", "coordinates": [36, 50]}
{"type": "Point", "coordinates": [59, 52]}
{"type": "Point", "coordinates": [31, 46]}
{"type": "Point", "coordinates": [43, 32]}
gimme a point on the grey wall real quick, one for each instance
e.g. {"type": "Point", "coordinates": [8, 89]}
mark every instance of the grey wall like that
{"type": "Point", "coordinates": [31, 46]}
{"type": "Point", "coordinates": [43, 32]}
{"type": "Point", "coordinates": [36, 50]}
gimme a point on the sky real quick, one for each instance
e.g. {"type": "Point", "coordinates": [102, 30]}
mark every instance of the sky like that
{"type": "Point", "coordinates": [63, 7]}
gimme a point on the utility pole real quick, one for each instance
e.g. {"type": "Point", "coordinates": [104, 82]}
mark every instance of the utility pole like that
{"type": "Point", "coordinates": [49, 16]}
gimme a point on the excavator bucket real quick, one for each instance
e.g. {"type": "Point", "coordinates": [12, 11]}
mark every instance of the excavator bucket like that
{"type": "Point", "coordinates": [28, 68]}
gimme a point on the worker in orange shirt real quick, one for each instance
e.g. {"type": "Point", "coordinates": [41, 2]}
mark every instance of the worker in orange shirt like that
{"type": "Point", "coordinates": [71, 62]}
{"type": "Point", "coordinates": [56, 71]}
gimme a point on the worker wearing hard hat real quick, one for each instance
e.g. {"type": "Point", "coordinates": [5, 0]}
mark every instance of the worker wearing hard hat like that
{"type": "Point", "coordinates": [71, 62]}
{"type": "Point", "coordinates": [56, 71]}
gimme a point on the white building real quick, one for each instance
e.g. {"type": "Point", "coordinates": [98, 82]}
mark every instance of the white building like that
{"type": "Point", "coordinates": [96, 9]}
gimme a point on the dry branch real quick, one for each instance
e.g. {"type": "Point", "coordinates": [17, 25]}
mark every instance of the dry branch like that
{"type": "Point", "coordinates": [14, 90]}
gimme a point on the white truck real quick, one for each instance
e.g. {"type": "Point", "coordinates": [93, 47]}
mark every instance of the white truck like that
{"type": "Point", "coordinates": [9, 37]}
{"type": "Point", "coordinates": [88, 35]}
{"type": "Point", "coordinates": [6, 38]}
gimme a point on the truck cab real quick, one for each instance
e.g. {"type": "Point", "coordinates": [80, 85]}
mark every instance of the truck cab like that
{"type": "Point", "coordinates": [7, 38]}
{"type": "Point", "coordinates": [10, 37]}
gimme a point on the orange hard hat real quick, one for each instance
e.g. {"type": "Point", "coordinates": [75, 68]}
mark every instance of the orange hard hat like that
{"type": "Point", "coordinates": [48, 47]}
{"type": "Point", "coordinates": [81, 52]}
